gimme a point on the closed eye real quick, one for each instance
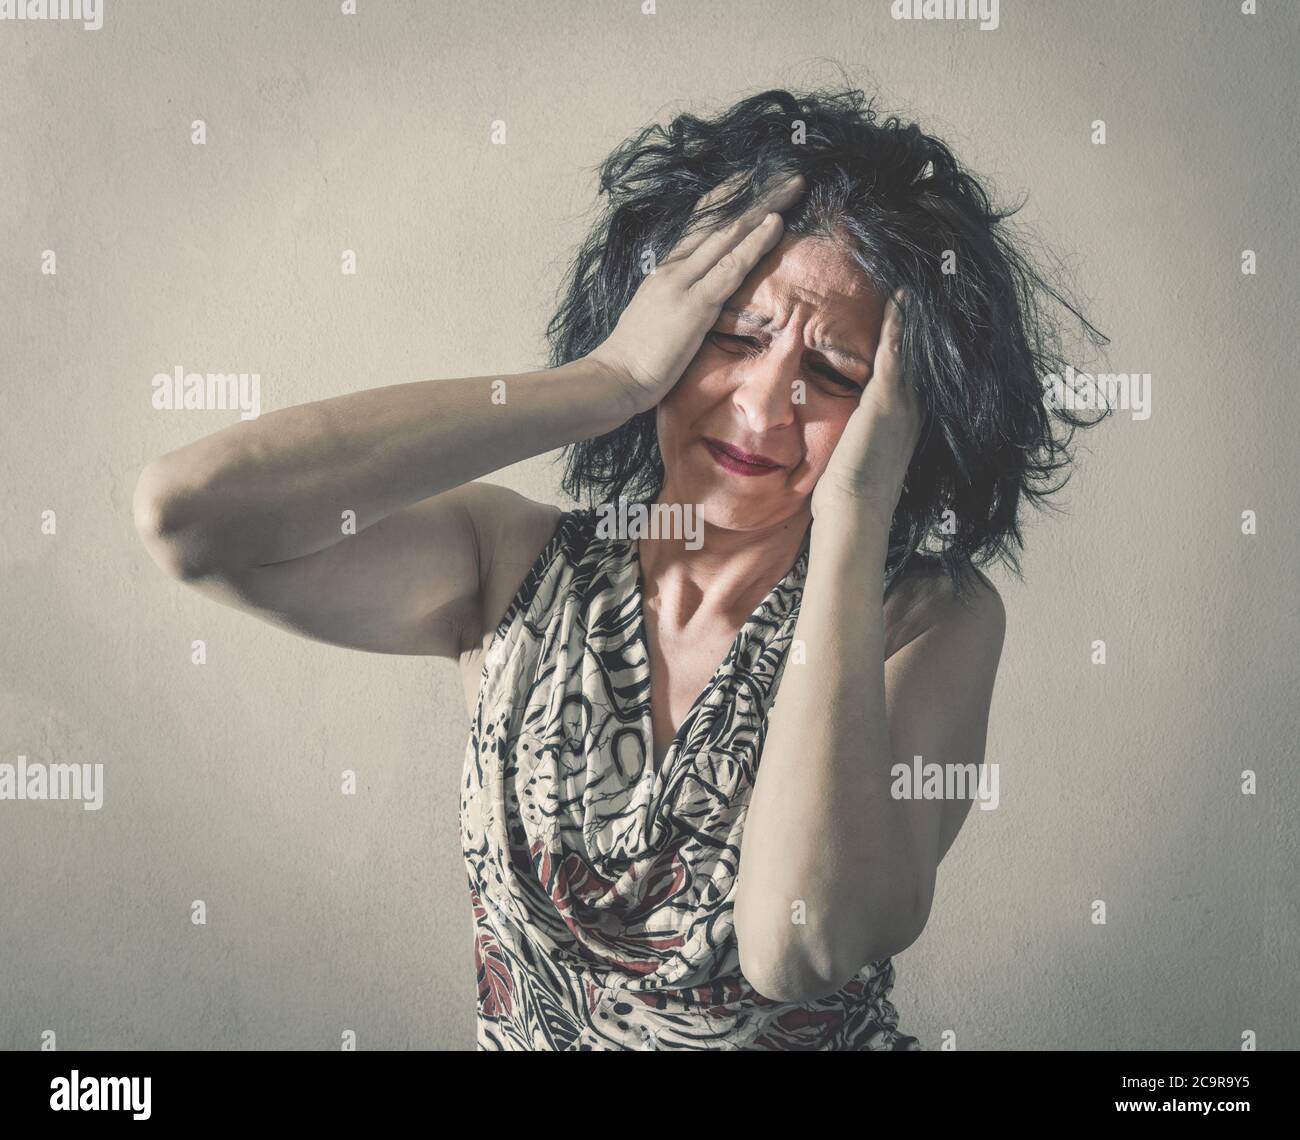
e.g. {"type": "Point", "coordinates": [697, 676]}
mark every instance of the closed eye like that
{"type": "Point", "coordinates": [733, 338]}
{"type": "Point", "coordinates": [823, 370]}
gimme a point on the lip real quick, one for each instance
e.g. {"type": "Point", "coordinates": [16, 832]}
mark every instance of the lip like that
{"type": "Point", "coordinates": [740, 462]}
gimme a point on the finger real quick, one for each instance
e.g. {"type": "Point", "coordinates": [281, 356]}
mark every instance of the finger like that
{"type": "Point", "coordinates": [695, 233]}
{"type": "Point", "coordinates": [887, 366]}
{"type": "Point", "coordinates": [731, 269]}
{"type": "Point", "coordinates": [702, 248]}
{"type": "Point", "coordinates": [719, 242]}
{"type": "Point", "coordinates": [895, 392]}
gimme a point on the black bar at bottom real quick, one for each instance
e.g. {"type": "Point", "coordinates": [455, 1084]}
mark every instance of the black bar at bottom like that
{"type": "Point", "coordinates": [368, 1087]}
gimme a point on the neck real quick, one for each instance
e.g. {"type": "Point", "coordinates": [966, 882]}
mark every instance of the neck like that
{"type": "Point", "coordinates": [730, 573]}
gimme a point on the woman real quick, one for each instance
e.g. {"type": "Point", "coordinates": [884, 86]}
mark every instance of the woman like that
{"type": "Point", "coordinates": [836, 374]}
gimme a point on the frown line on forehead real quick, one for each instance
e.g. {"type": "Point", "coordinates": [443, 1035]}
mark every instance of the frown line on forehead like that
{"type": "Point", "coordinates": [761, 322]}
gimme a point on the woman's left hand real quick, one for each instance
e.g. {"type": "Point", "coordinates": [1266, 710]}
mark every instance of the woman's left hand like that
{"type": "Point", "coordinates": [870, 461]}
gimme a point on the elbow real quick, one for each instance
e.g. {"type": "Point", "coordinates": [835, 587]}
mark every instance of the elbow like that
{"type": "Point", "coordinates": [894, 931]}
{"type": "Point", "coordinates": [156, 508]}
{"type": "Point", "coordinates": [792, 979]}
{"type": "Point", "coordinates": [789, 974]}
{"type": "Point", "coordinates": [800, 973]}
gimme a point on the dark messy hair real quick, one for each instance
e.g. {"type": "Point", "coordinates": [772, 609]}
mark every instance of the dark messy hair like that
{"type": "Point", "coordinates": [980, 324]}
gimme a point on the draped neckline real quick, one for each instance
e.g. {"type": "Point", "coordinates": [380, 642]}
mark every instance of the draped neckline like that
{"type": "Point", "coordinates": [757, 627]}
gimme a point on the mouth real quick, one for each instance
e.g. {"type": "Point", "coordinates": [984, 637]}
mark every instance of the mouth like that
{"type": "Point", "coordinates": [740, 462]}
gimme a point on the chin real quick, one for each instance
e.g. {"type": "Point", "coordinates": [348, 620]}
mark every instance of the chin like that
{"type": "Point", "coordinates": [729, 511]}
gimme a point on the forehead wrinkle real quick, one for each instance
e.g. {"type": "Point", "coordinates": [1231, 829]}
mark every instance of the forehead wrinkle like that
{"type": "Point", "coordinates": [763, 323]}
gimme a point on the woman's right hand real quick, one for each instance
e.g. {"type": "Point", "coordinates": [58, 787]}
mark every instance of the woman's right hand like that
{"type": "Point", "coordinates": [664, 324]}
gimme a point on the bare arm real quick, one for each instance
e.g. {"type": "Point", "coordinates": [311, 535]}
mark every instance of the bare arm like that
{"type": "Point", "coordinates": [354, 520]}
{"type": "Point", "coordinates": [347, 519]}
{"type": "Point", "coordinates": [824, 828]}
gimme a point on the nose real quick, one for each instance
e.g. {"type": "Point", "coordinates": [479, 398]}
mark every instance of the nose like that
{"type": "Point", "coordinates": [764, 391]}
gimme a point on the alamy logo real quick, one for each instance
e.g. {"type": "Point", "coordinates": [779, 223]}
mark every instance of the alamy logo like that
{"type": "Point", "coordinates": [1082, 391]}
{"type": "Point", "coordinates": [920, 781]}
{"type": "Point", "coordinates": [209, 391]}
{"type": "Point", "coordinates": [101, 1094]}
{"type": "Point", "coordinates": [676, 521]}
{"type": "Point", "coordinates": [23, 781]}
{"type": "Point", "coordinates": [89, 12]}
{"type": "Point", "coordinates": [986, 11]}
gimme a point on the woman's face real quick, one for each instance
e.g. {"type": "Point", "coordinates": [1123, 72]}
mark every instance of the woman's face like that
{"type": "Point", "coordinates": [750, 426]}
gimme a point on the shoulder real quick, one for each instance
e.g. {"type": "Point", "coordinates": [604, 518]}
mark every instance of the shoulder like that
{"type": "Point", "coordinates": [925, 599]}
{"type": "Point", "coordinates": [509, 533]}
{"type": "Point", "coordinates": [504, 521]}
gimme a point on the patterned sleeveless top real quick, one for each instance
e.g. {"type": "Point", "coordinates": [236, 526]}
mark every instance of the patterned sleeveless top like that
{"type": "Point", "coordinates": [602, 883]}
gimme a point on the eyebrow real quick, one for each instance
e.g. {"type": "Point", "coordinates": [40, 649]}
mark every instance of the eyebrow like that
{"type": "Point", "coordinates": [825, 347]}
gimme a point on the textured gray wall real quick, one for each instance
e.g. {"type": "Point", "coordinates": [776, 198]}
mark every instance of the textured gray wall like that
{"type": "Point", "coordinates": [371, 132]}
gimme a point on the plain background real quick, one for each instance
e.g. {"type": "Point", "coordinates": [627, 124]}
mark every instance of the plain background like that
{"type": "Point", "coordinates": [372, 133]}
